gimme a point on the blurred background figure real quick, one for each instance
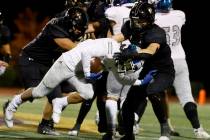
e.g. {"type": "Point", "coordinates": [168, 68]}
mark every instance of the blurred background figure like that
{"type": "Point", "coordinates": [5, 50]}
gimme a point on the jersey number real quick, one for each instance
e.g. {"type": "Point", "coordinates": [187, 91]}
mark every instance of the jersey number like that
{"type": "Point", "coordinates": [175, 33]}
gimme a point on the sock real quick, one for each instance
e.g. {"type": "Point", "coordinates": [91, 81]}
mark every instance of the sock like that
{"type": "Point", "coordinates": [16, 101]}
{"type": "Point", "coordinates": [111, 114]}
{"type": "Point", "coordinates": [158, 108]}
{"type": "Point", "coordinates": [65, 101]}
{"type": "Point", "coordinates": [84, 109]}
{"type": "Point", "coordinates": [191, 112]}
{"type": "Point", "coordinates": [44, 122]}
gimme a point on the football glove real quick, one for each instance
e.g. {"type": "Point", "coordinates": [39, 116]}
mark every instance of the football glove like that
{"type": "Point", "coordinates": [124, 56]}
{"type": "Point", "coordinates": [149, 77]}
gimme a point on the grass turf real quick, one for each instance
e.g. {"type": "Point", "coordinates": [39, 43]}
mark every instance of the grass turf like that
{"type": "Point", "coordinates": [29, 115]}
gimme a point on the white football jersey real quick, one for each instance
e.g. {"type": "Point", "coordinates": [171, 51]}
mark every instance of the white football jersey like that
{"type": "Point", "coordinates": [102, 47]}
{"type": "Point", "coordinates": [172, 23]}
{"type": "Point", "coordinates": [119, 14]}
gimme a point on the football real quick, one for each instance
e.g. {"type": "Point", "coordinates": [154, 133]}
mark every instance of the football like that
{"type": "Point", "coordinates": [96, 65]}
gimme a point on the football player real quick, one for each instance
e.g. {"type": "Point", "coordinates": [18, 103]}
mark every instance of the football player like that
{"type": "Point", "coordinates": [98, 27]}
{"type": "Point", "coordinates": [172, 21]}
{"type": "Point", "coordinates": [59, 35]}
{"type": "Point", "coordinates": [141, 31]}
{"type": "Point", "coordinates": [66, 68]}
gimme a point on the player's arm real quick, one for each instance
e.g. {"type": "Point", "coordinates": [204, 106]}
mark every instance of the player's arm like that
{"type": "Point", "coordinates": [143, 54]}
{"type": "Point", "coordinates": [151, 49]}
{"type": "Point", "coordinates": [65, 43]}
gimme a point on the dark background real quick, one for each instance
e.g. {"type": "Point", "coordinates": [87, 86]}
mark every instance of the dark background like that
{"type": "Point", "coordinates": [194, 33]}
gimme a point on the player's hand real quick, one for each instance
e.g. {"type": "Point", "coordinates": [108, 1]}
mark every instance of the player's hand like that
{"type": "Point", "coordinates": [124, 55]}
{"type": "Point", "coordinates": [93, 77]}
{"type": "Point", "coordinates": [149, 77]}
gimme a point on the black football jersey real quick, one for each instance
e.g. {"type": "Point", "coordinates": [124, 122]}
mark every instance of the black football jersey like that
{"type": "Point", "coordinates": [161, 60]}
{"type": "Point", "coordinates": [43, 48]}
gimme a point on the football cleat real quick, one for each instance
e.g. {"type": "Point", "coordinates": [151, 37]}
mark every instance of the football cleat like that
{"type": "Point", "coordinates": [73, 132]}
{"type": "Point", "coordinates": [164, 138]}
{"type": "Point", "coordinates": [8, 110]}
{"type": "Point", "coordinates": [200, 133]}
{"type": "Point", "coordinates": [174, 133]}
{"type": "Point", "coordinates": [47, 129]}
{"type": "Point", "coordinates": [57, 109]}
{"type": "Point", "coordinates": [165, 132]}
{"type": "Point", "coordinates": [109, 136]}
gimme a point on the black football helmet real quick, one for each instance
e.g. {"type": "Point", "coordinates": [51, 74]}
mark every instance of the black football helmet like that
{"type": "Point", "coordinates": [142, 16]}
{"type": "Point", "coordinates": [77, 19]}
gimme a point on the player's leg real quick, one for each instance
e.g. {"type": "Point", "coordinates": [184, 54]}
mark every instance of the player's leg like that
{"type": "Point", "coordinates": [46, 126]}
{"type": "Point", "coordinates": [31, 74]}
{"type": "Point", "coordinates": [165, 103]}
{"type": "Point", "coordinates": [155, 91]}
{"type": "Point", "coordinates": [102, 122]}
{"type": "Point", "coordinates": [113, 90]}
{"type": "Point", "coordinates": [184, 94]}
{"type": "Point", "coordinates": [138, 115]}
{"type": "Point", "coordinates": [84, 92]}
{"type": "Point", "coordinates": [129, 106]}
{"type": "Point", "coordinates": [101, 93]}
{"type": "Point", "coordinates": [84, 109]}
{"type": "Point", "coordinates": [57, 73]}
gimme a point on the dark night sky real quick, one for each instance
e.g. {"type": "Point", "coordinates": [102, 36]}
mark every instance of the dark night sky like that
{"type": "Point", "coordinates": [193, 39]}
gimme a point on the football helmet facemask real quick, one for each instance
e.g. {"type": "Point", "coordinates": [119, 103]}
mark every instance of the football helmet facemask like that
{"type": "Point", "coordinates": [128, 65]}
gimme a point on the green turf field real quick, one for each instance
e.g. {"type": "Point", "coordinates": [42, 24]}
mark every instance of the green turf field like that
{"type": "Point", "coordinates": [29, 115]}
